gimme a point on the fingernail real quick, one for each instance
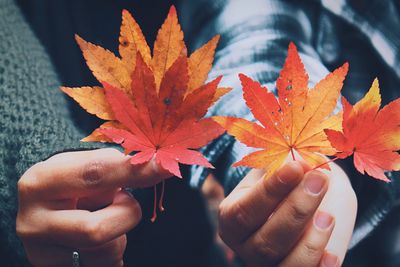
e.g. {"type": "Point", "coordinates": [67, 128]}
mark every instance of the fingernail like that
{"type": "Point", "coordinates": [314, 182]}
{"type": "Point", "coordinates": [289, 172]}
{"type": "Point", "coordinates": [323, 220]}
{"type": "Point", "coordinates": [330, 260]}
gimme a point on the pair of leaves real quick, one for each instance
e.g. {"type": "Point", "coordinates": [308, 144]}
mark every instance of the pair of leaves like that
{"type": "Point", "coordinates": [300, 122]}
{"type": "Point", "coordinates": [153, 104]}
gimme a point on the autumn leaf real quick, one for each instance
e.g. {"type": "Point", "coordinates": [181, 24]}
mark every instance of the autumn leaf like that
{"type": "Point", "coordinates": [152, 104]}
{"type": "Point", "coordinates": [371, 135]}
{"type": "Point", "coordinates": [293, 123]}
{"type": "Point", "coordinates": [164, 125]}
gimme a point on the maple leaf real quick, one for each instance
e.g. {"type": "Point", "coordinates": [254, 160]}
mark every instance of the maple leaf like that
{"type": "Point", "coordinates": [369, 134]}
{"type": "Point", "coordinates": [157, 101]}
{"type": "Point", "coordinates": [164, 125]}
{"type": "Point", "coordinates": [294, 122]}
{"type": "Point", "coordinates": [153, 105]}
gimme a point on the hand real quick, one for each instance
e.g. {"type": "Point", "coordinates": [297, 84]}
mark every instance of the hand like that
{"type": "Point", "coordinates": [281, 221]}
{"type": "Point", "coordinates": [74, 201]}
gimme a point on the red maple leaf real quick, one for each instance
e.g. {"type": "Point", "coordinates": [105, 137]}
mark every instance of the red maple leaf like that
{"type": "Point", "coordinates": [164, 125]}
{"type": "Point", "coordinates": [371, 135]}
{"type": "Point", "coordinates": [153, 104]}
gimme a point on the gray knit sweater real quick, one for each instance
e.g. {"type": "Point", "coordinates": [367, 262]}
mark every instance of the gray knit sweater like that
{"type": "Point", "coordinates": [34, 118]}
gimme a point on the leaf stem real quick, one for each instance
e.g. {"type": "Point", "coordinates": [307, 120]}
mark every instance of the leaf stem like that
{"type": "Point", "coordinates": [160, 203]}
{"type": "Point", "coordinates": [293, 157]}
{"type": "Point", "coordinates": [153, 219]}
{"type": "Point", "coordinates": [329, 161]}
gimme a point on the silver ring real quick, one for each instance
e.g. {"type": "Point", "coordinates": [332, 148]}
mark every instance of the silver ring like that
{"type": "Point", "coordinates": [75, 259]}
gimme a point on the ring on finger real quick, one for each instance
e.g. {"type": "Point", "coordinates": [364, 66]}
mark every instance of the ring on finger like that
{"type": "Point", "coordinates": [75, 259]}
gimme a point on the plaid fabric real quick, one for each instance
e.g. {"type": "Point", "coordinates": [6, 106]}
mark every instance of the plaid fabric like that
{"type": "Point", "coordinates": [254, 38]}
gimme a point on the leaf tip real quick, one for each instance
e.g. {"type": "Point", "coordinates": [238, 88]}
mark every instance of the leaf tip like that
{"type": "Point", "coordinates": [172, 11]}
{"type": "Point", "coordinates": [344, 68]}
{"type": "Point", "coordinates": [218, 79]}
{"type": "Point", "coordinates": [125, 12]}
{"type": "Point", "coordinates": [375, 83]}
{"type": "Point", "coordinates": [64, 89]}
{"type": "Point", "coordinates": [243, 78]}
{"type": "Point", "coordinates": [216, 38]}
{"type": "Point", "coordinates": [78, 39]}
{"type": "Point", "coordinates": [292, 47]}
{"type": "Point", "coordinates": [237, 164]}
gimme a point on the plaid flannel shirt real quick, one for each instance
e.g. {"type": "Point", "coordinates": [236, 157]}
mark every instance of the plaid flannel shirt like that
{"type": "Point", "coordinates": [254, 38]}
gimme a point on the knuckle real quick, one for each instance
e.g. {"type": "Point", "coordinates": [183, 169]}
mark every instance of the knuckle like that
{"type": "Point", "coordinates": [92, 173]}
{"type": "Point", "coordinates": [28, 182]}
{"type": "Point", "coordinates": [92, 232]}
{"type": "Point", "coordinates": [273, 189]}
{"type": "Point", "coordinates": [26, 185]}
{"type": "Point", "coordinates": [299, 212]}
{"type": "Point", "coordinates": [263, 248]}
{"type": "Point", "coordinates": [234, 216]}
{"type": "Point", "coordinates": [22, 230]}
{"type": "Point", "coordinates": [312, 250]}
{"type": "Point", "coordinates": [26, 230]}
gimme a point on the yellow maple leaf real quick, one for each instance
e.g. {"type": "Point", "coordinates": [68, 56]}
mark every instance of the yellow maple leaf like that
{"type": "Point", "coordinates": [294, 122]}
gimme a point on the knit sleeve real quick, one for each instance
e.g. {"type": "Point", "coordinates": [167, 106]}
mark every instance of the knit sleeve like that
{"type": "Point", "coordinates": [35, 121]}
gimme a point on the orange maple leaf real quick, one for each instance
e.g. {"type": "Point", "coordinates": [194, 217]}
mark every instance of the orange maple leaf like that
{"type": "Point", "coordinates": [153, 105]}
{"type": "Point", "coordinates": [166, 91]}
{"type": "Point", "coordinates": [293, 122]}
{"type": "Point", "coordinates": [371, 135]}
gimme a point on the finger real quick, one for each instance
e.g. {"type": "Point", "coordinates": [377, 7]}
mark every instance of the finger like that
{"type": "Point", "coordinates": [277, 237]}
{"type": "Point", "coordinates": [253, 201]}
{"type": "Point", "coordinates": [78, 174]}
{"type": "Point", "coordinates": [82, 228]}
{"type": "Point", "coordinates": [109, 254]}
{"type": "Point", "coordinates": [329, 260]}
{"type": "Point", "coordinates": [40, 255]}
{"type": "Point", "coordinates": [96, 201]}
{"type": "Point", "coordinates": [311, 247]}
{"type": "Point", "coordinates": [341, 202]}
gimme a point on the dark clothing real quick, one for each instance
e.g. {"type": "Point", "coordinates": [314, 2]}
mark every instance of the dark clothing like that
{"type": "Point", "coordinates": [36, 122]}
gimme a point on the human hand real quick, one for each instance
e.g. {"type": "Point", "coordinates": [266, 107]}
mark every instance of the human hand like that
{"type": "Point", "coordinates": [286, 221]}
{"type": "Point", "coordinates": [74, 202]}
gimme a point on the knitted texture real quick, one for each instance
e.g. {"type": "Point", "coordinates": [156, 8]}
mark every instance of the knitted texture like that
{"type": "Point", "coordinates": [34, 119]}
